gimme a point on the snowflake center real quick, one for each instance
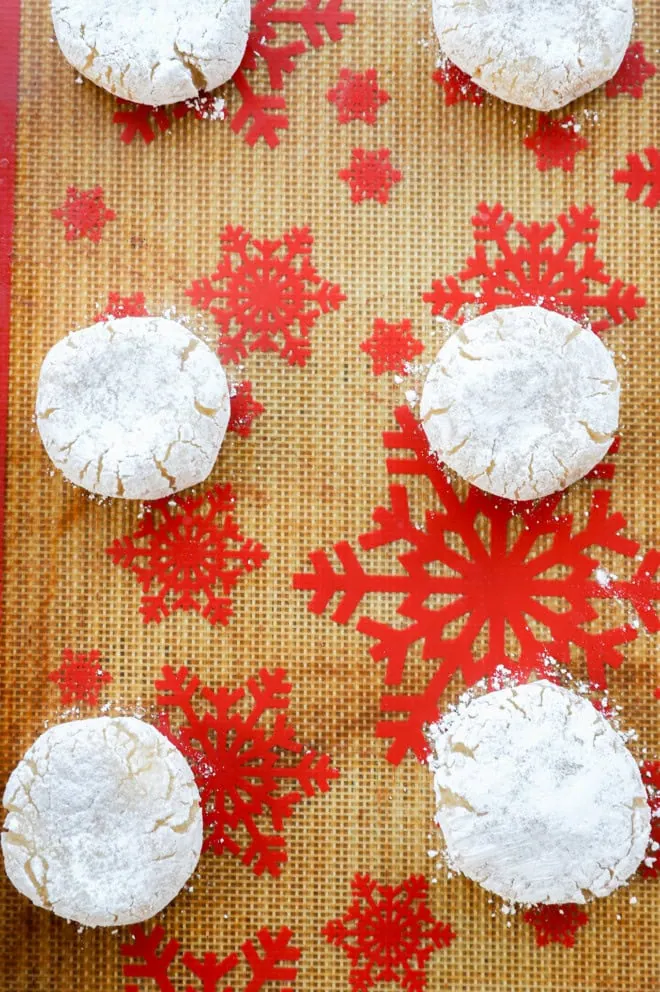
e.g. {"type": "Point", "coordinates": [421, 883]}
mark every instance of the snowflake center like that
{"type": "Point", "coordinates": [268, 296]}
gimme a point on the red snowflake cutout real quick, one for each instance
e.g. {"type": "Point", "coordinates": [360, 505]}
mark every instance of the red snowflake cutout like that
{"type": "Point", "coordinates": [370, 175]}
{"type": "Point", "coordinates": [526, 265]}
{"type": "Point", "coordinates": [357, 96]}
{"type": "Point", "coordinates": [650, 868]}
{"type": "Point", "coordinates": [474, 572]}
{"type": "Point", "coordinates": [633, 72]}
{"type": "Point", "coordinates": [458, 86]}
{"type": "Point", "coordinates": [79, 677]}
{"type": "Point", "coordinates": [637, 177]}
{"type": "Point", "coordinates": [124, 306]}
{"type": "Point", "coordinates": [270, 290]}
{"type": "Point", "coordinates": [244, 409]}
{"type": "Point", "coordinates": [388, 933]}
{"type": "Point", "coordinates": [391, 347]}
{"type": "Point", "coordinates": [244, 761]}
{"type": "Point", "coordinates": [271, 960]}
{"type": "Point", "coordinates": [556, 924]}
{"type": "Point", "coordinates": [84, 214]}
{"type": "Point", "coordinates": [183, 548]}
{"type": "Point", "coordinates": [556, 142]}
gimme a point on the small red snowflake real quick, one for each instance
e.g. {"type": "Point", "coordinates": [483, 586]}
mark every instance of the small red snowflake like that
{"type": "Point", "coordinates": [185, 547]}
{"type": "Point", "coordinates": [556, 924]}
{"type": "Point", "coordinates": [370, 175]}
{"type": "Point", "coordinates": [124, 306]}
{"type": "Point", "coordinates": [388, 933]}
{"type": "Point", "coordinates": [556, 142]}
{"type": "Point", "coordinates": [270, 290]}
{"type": "Point", "coordinates": [271, 961]}
{"type": "Point", "coordinates": [391, 347]}
{"type": "Point", "coordinates": [633, 72]}
{"type": "Point", "coordinates": [637, 177]}
{"type": "Point", "coordinates": [79, 677]}
{"type": "Point", "coordinates": [650, 867]}
{"type": "Point", "coordinates": [84, 214]}
{"type": "Point", "coordinates": [244, 761]}
{"type": "Point", "coordinates": [527, 265]}
{"type": "Point", "coordinates": [244, 409]}
{"type": "Point", "coordinates": [458, 86]}
{"type": "Point", "coordinates": [357, 96]}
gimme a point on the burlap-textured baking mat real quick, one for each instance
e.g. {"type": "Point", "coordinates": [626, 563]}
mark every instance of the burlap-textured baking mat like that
{"type": "Point", "coordinates": [98, 214]}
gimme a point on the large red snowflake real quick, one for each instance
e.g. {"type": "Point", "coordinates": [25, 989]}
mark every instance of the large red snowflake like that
{"type": "Point", "coordinates": [388, 933]}
{"type": "Point", "coordinates": [79, 677]}
{"type": "Point", "coordinates": [633, 72]}
{"type": "Point", "coordinates": [245, 759]}
{"type": "Point", "coordinates": [637, 177]}
{"type": "Point", "coordinates": [517, 264]}
{"type": "Point", "coordinates": [391, 346]}
{"type": "Point", "coordinates": [244, 409]}
{"type": "Point", "coordinates": [357, 96]}
{"type": "Point", "coordinates": [478, 584]}
{"type": "Point", "coordinates": [84, 214]}
{"type": "Point", "coordinates": [258, 115]}
{"type": "Point", "coordinates": [271, 960]}
{"type": "Point", "coordinates": [370, 175]}
{"type": "Point", "coordinates": [266, 295]}
{"type": "Point", "coordinates": [556, 142]}
{"type": "Point", "coordinates": [556, 924]}
{"type": "Point", "coordinates": [457, 85]}
{"type": "Point", "coordinates": [183, 549]}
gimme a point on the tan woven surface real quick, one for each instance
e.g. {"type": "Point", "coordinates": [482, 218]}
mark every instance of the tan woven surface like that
{"type": "Point", "coordinates": [309, 475]}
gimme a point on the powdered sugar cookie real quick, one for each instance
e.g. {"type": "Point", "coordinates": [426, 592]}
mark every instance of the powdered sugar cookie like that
{"type": "Point", "coordinates": [136, 407]}
{"type": "Point", "coordinates": [521, 402]}
{"type": "Point", "coordinates": [539, 799]}
{"type": "Point", "coordinates": [537, 53]}
{"type": "Point", "coordinates": [104, 825]}
{"type": "Point", "coordinates": [153, 51]}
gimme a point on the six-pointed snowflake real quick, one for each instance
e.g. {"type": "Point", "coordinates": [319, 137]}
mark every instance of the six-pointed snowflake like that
{"type": "Point", "coordinates": [388, 933]}
{"type": "Point", "coordinates": [637, 177]}
{"type": "Point", "coordinates": [79, 677]}
{"type": "Point", "coordinates": [457, 85]}
{"type": "Point", "coordinates": [84, 214]}
{"type": "Point", "coordinates": [357, 96]}
{"type": "Point", "coordinates": [266, 295]}
{"type": "Point", "coordinates": [517, 264]}
{"type": "Point", "coordinates": [556, 142]}
{"type": "Point", "coordinates": [633, 72]}
{"type": "Point", "coordinates": [370, 175]}
{"type": "Point", "coordinates": [183, 549]}
{"type": "Point", "coordinates": [556, 924]}
{"type": "Point", "coordinates": [124, 306]}
{"type": "Point", "coordinates": [245, 760]}
{"type": "Point", "coordinates": [244, 409]}
{"type": "Point", "coordinates": [391, 346]}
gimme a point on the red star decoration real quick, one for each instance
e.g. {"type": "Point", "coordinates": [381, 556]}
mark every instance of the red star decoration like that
{"type": "Point", "coordinates": [556, 924]}
{"type": "Point", "coordinates": [79, 677]}
{"type": "Point", "coordinates": [556, 142]}
{"type": "Point", "coordinates": [124, 306]}
{"type": "Point", "coordinates": [633, 73]}
{"type": "Point", "coordinates": [371, 175]}
{"type": "Point", "coordinates": [457, 85]}
{"type": "Point", "coordinates": [84, 214]}
{"type": "Point", "coordinates": [357, 96]}
{"type": "Point", "coordinates": [651, 779]}
{"type": "Point", "coordinates": [638, 178]}
{"type": "Point", "coordinates": [244, 409]}
{"type": "Point", "coordinates": [391, 347]}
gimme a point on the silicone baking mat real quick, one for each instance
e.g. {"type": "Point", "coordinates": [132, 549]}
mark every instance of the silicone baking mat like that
{"type": "Point", "coordinates": [317, 226]}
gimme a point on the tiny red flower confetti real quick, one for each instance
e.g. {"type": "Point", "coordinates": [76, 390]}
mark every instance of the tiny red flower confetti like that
{"type": "Point", "coordinates": [556, 924]}
{"type": "Point", "coordinates": [371, 175]}
{"type": "Point", "coordinates": [244, 409]}
{"type": "Point", "coordinates": [84, 214]}
{"type": "Point", "coordinates": [388, 933]}
{"type": "Point", "coordinates": [357, 96]}
{"type": "Point", "coordinates": [650, 867]}
{"type": "Point", "coordinates": [556, 142]}
{"type": "Point", "coordinates": [633, 72]}
{"type": "Point", "coordinates": [391, 347]}
{"type": "Point", "coordinates": [245, 759]}
{"type": "Point", "coordinates": [79, 677]}
{"type": "Point", "coordinates": [185, 547]}
{"type": "Point", "coordinates": [637, 177]}
{"type": "Point", "coordinates": [458, 86]}
{"type": "Point", "coordinates": [124, 306]}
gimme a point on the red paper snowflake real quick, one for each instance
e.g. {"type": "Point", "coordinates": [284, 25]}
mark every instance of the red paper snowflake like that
{"type": "Point", "coordinates": [370, 175]}
{"type": "Point", "coordinates": [391, 346]}
{"type": "Point", "coordinates": [556, 142]}
{"type": "Point", "coordinates": [84, 214]}
{"type": "Point", "coordinates": [473, 573]}
{"type": "Point", "coordinates": [271, 961]}
{"type": "Point", "coordinates": [357, 96]}
{"type": "Point", "coordinates": [556, 924]}
{"type": "Point", "coordinates": [124, 306]}
{"type": "Point", "coordinates": [259, 115]}
{"type": "Point", "coordinates": [269, 291]}
{"type": "Point", "coordinates": [183, 549]}
{"type": "Point", "coordinates": [517, 264]}
{"type": "Point", "coordinates": [650, 868]}
{"type": "Point", "coordinates": [244, 409]}
{"type": "Point", "coordinates": [633, 72]}
{"type": "Point", "coordinates": [457, 85]}
{"type": "Point", "coordinates": [79, 677]}
{"type": "Point", "coordinates": [637, 177]}
{"type": "Point", "coordinates": [245, 760]}
{"type": "Point", "coordinates": [388, 933]}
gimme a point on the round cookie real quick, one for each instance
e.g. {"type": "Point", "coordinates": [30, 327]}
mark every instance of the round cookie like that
{"type": "Point", "coordinates": [521, 402]}
{"type": "Point", "coordinates": [153, 51]}
{"type": "Point", "coordinates": [536, 53]}
{"type": "Point", "coordinates": [539, 800]}
{"type": "Point", "coordinates": [136, 407]}
{"type": "Point", "coordinates": [104, 825]}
